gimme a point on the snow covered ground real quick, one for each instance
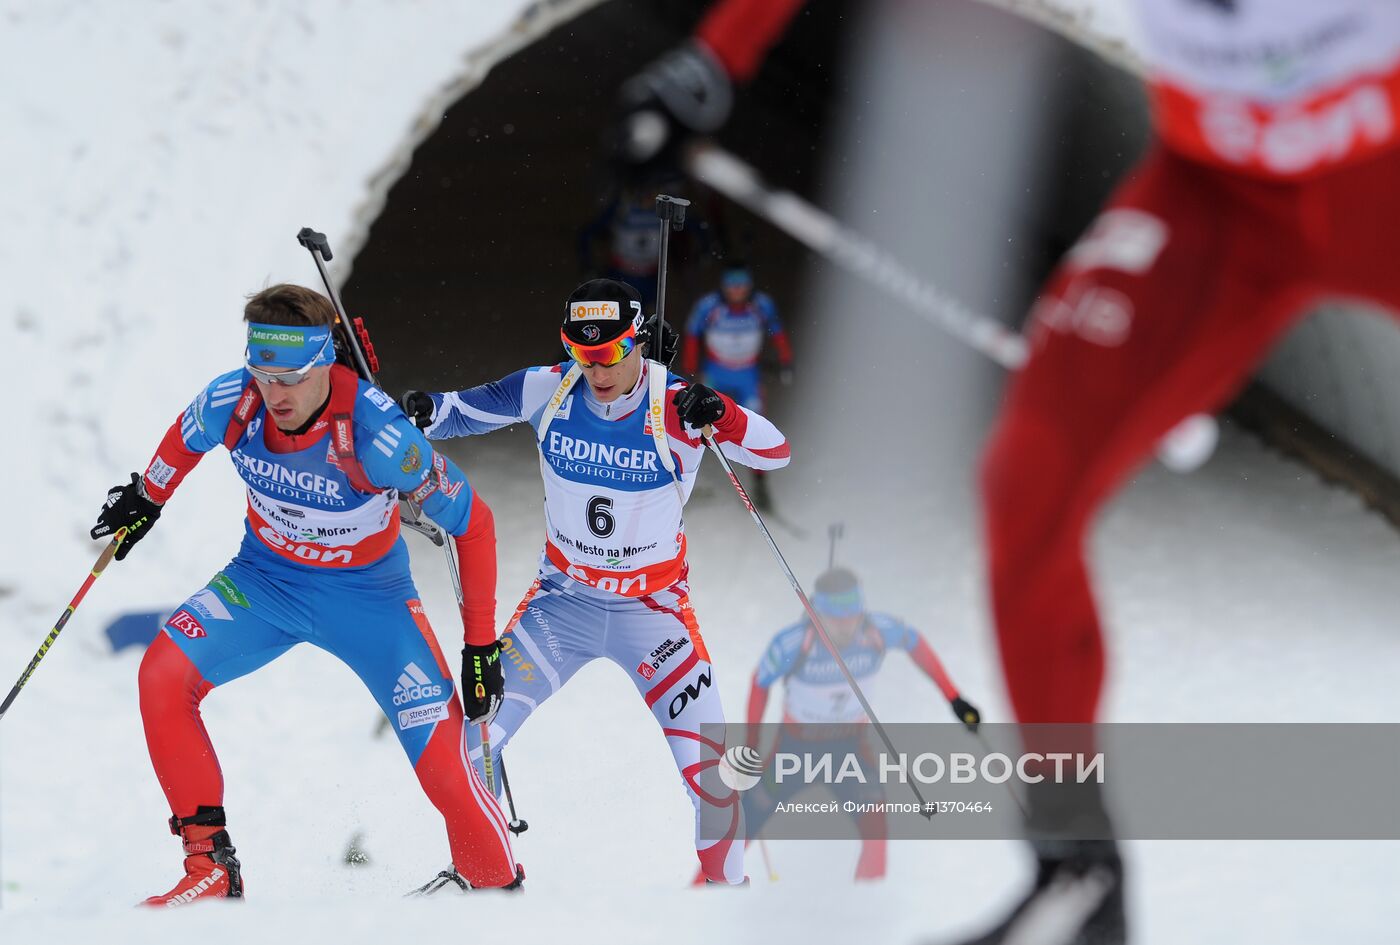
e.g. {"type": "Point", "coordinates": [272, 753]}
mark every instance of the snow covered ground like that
{"type": "Point", "coordinates": [157, 167]}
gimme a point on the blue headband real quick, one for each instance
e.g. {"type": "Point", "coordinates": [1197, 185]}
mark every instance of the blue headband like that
{"type": "Point", "coordinates": [289, 346]}
{"type": "Point", "coordinates": [840, 604]}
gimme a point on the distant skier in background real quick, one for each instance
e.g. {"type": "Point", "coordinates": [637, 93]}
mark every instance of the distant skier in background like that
{"type": "Point", "coordinates": [625, 229]}
{"type": "Point", "coordinates": [619, 454]}
{"type": "Point", "coordinates": [1270, 188]}
{"type": "Point", "coordinates": [324, 456]}
{"type": "Point", "coordinates": [723, 339]}
{"type": "Point", "coordinates": [818, 703]}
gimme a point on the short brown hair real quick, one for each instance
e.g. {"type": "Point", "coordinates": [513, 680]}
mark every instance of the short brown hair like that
{"type": "Point", "coordinates": [286, 304]}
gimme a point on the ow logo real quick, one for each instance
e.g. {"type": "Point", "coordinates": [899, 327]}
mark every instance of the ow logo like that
{"type": "Point", "coordinates": [688, 694]}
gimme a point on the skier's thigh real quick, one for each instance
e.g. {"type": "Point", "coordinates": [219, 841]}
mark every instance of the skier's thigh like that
{"type": "Point", "coordinates": [1159, 311]}
{"type": "Point", "coordinates": [1363, 229]}
{"type": "Point", "coordinates": [664, 655]}
{"type": "Point", "coordinates": [387, 640]}
{"type": "Point", "coordinates": [541, 650]}
{"type": "Point", "coordinates": [230, 627]}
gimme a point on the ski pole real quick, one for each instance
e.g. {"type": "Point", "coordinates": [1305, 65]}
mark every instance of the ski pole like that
{"type": "Point", "coordinates": [366, 363]}
{"type": "Point", "coordinates": [356, 339]}
{"type": "Point", "coordinates": [823, 234]}
{"type": "Point", "coordinates": [488, 764]}
{"type": "Point", "coordinates": [709, 436]}
{"type": "Point", "coordinates": [987, 748]}
{"type": "Point", "coordinates": [1182, 449]}
{"type": "Point", "coordinates": [835, 532]}
{"type": "Point", "coordinates": [516, 825]}
{"type": "Point", "coordinates": [670, 212]}
{"type": "Point", "coordinates": [102, 561]}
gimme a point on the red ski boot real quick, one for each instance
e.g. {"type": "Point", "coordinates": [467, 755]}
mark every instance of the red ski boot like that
{"type": "Point", "coordinates": [211, 869]}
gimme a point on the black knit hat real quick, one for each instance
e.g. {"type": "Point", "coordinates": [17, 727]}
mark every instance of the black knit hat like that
{"type": "Point", "coordinates": [600, 310]}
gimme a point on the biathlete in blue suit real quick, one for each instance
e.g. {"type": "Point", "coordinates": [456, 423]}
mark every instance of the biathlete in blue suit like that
{"type": "Point", "coordinates": [325, 457]}
{"type": "Point", "coordinates": [724, 336]}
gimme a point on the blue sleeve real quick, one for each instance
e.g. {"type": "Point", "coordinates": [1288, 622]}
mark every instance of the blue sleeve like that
{"type": "Point", "coordinates": [896, 634]}
{"type": "Point", "coordinates": [781, 655]}
{"type": "Point", "coordinates": [398, 456]}
{"type": "Point", "coordinates": [204, 421]}
{"type": "Point", "coordinates": [695, 321]}
{"type": "Point", "coordinates": [769, 311]}
{"type": "Point", "coordinates": [479, 409]}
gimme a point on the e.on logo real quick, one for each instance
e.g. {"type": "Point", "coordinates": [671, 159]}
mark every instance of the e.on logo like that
{"type": "Point", "coordinates": [594, 311]}
{"type": "Point", "coordinates": [1297, 139]}
{"type": "Point", "coordinates": [305, 552]}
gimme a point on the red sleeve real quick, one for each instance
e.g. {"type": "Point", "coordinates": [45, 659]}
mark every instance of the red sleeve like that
{"type": "Point", "coordinates": [476, 565]}
{"type": "Point", "coordinates": [924, 658]}
{"type": "Point", "coordinates": [730, 427]}
{"type": "Point", "coordinates": [734, 424]}
{"type": "Point", "coordinates": [758, 701]}
{"type": "Point", "coordinates": [784, 348]}
{"type": "Point", "coordinates": [169, 466]}
{"type": "Point", "coordinates": [690, 356]}
{"type": "Point", "coordinates": [740, 32]}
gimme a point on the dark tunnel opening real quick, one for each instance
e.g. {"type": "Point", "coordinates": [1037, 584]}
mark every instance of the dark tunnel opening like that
{"type": "Point", "coordinates": [467, 269]}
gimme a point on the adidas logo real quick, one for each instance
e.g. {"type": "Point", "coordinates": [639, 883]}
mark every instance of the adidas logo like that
{"type": "Point", "coordinates": [197, 890]}
{"type": "Point", "coordinates": [413, 685]}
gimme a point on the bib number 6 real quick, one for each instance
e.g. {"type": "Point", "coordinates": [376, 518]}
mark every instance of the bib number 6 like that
{"type": "Point", "coordinates": [600, 519]}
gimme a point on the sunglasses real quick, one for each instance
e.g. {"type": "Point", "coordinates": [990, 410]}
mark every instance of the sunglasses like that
{"type": "Point", "coordinates": [288, 378]}
{"type": "Point", "coordinates": [608, 354]}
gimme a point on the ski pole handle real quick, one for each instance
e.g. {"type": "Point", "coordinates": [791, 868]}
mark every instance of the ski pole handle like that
{"type": "Point", "coordinates": [488, 764]}
{"type": "Point", "coordinates": [103, 560]}
{"type": "Point", "coordinates": [315, 242]}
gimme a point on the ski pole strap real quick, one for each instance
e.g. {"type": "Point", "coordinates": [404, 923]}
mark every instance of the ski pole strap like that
{"type": "Point", "coordinates": [202, 817]}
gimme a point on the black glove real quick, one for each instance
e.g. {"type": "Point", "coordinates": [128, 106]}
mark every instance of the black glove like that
{"type": "Point", "coordinates": [967, 713]}
{"type": "Point", "coordinates": [483, 681]}
{"type": "Point", "coordinates": [419, 407]}
{"type": "Point", "coordinates": [699, 406]}
{"type": "Point", "coordinates": [130, 508]}
{"type": "Point", "coordinates": [665, 352]}
{"type": "Point", "coordinates": [686, 91]}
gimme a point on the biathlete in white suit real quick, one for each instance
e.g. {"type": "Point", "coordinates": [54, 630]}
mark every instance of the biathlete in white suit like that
{"type": "Point", "coordinates": [619, 454]}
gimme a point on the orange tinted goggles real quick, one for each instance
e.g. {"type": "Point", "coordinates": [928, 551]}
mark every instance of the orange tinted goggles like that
{"type": "Point", "coordinates": [603, 355]}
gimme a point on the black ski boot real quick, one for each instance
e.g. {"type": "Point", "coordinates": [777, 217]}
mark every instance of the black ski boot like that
{"type": "Point", "coordinates": [1077, 900]}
